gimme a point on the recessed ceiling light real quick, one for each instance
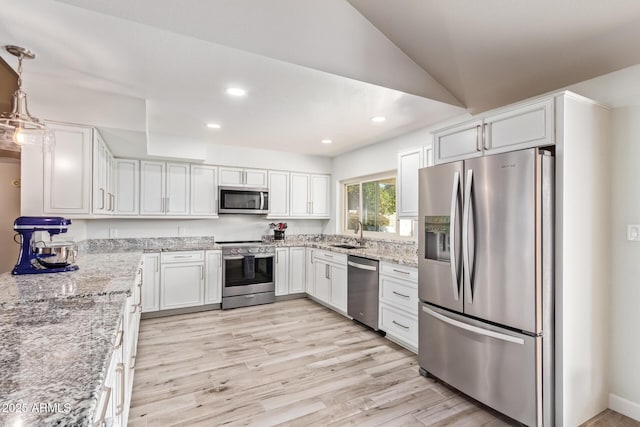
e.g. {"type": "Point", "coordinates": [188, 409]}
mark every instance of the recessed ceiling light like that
{"type": "Point", "coordinates": [236, 91]}
{"type": "Point", "coordinates": [326, 141]}
{"type": "Point", "coordinates": [213, 126]}
{"type": "Point", "coordinates": [378, 119]}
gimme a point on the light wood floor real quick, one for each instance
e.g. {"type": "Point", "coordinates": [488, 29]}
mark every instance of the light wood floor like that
{"type": "Point", "coordinates": [292, 363]}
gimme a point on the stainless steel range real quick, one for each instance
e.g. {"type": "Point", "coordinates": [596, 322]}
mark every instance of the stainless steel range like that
{"type": "Point", "coordinates": [247, 273]}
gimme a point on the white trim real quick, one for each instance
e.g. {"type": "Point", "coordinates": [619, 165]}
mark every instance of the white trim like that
{"type": "Point", "coordinates": [624, 406]}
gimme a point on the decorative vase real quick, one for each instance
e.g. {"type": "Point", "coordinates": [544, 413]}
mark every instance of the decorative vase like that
{"type": "Point", "coordinates": [278, 234]}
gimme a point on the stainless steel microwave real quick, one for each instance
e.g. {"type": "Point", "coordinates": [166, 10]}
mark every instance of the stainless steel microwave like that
{"type": "Point", "coordinates": [242, 200]}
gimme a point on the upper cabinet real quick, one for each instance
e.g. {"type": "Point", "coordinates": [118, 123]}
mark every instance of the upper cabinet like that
{"type": "Point", "coordinates": [164, 188]}
{"type": "Point", "coordinates": [514, 128]}
{"type": "Point", "coordinates": [243, 177]}
{"type": "Point", "coordinates": [310, 195]}
{"type": "Point", "coordinates": [278, 194]}
{"type": "Point", "coordinates": [407, 183]}
{"type": "Point", "coordinates": [204, 190]}
{"type": "Point", "coordinates": [68, 170]}
{"type": "Point", "coordinates": [127, 181]}
{"type": "Point", "coordinates": [104, 179]}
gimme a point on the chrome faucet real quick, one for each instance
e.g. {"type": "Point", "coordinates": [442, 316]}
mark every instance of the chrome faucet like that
{"type": "Point", "coordinates": [361, 228]}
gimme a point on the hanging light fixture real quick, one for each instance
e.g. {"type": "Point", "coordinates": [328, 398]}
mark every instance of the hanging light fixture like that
{"type": "Point", "coordinates": [26, 128]}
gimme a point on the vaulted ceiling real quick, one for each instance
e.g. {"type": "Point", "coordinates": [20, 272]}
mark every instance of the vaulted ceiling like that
{"type": "Point", "coordinates": [152, 73]}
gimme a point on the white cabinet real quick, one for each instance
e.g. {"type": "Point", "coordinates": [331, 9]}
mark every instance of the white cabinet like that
{"type": "Point", "coordinates": [522, 126]}
{"type": "Point", "coordinates": [204, 190]}
{"type": "Point", "coordinates": [127, 186]}
{"type": "Point", "coordinates": [182, 279]}
{"type": "Point", "coordinates": [278, 194]}
{"type": "Point", "coordinates": [68, 171]}
{"type": "Point", "coordinates": [151, 282]}
{"type": "Point", "coordinates": [282, 271]}
{"type": "Point", "coordinates": [243, 177]}
{"type": "Point", "coordinates": [407, 183]}
{"type": "Point", "coordinates": [398, 309]}
{"type": "Point", "coordinates": [427, 158]}
{"type": "Point", "coordinates": [310, 272]}
{"type": "Point", "coordinates": [164, 188]}
{"type": "Point", "coordinates": [213, 281]}
{"type": "Point", "coordinates": [330, 279]}
{"type": "Point", "coordinates": [310, 195]}
{"type": "Point", "coordinates": [297, 270]}
{"type": "Point", "coordinates": [104, 191]}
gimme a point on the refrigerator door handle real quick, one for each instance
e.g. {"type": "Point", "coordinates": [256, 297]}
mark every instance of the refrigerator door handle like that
{"type": "Point", "coordinates": [465, 238]}
{"type": "Point", "coordinates": [452, 236]}
{"type": "Point", "coordinates": [473, 329]}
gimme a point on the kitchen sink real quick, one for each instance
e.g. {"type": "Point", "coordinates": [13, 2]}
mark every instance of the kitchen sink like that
{"type": "Point", "coordinates": [347, 246]}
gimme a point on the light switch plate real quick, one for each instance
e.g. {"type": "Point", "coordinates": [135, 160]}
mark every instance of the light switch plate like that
{"type": "Point", "coordinates": [180, 231]}
{"type": "Point", "coordinates": [633, 232]}
{"type": "Point", "coordinates": [113, 232]}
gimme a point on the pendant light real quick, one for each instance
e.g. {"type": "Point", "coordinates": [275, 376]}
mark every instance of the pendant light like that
{"type": "Point", "coordinates": [26, 129]}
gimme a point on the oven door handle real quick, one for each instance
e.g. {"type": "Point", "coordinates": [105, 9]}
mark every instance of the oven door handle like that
{"type": "Point", "coordinates": [242, 257]}
{"type": "Point", "coordinates": [232, 257]}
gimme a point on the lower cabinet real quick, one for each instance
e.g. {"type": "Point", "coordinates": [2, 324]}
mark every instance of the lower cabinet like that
{"type": "Point", "coordinates": [151, 282]}
{"type": "Point", "coordinates": [310, 272]}
{"type": "Point", "coordinates": [330, 279]}
{"type": "Point", "coordinates": [297, 270]}
{"type": "Point", "coordinates": [398, 308]}
{"type": "Point", "coordinates": [181, 279]}
{"type": "Point", "coordinates": [213, 281]}
{"type": "Point", "coordinates": [282, 271]}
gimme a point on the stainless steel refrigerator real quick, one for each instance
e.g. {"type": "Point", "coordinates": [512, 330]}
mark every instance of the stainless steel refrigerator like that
{"type": "Point", "coordinates": [486, 280]}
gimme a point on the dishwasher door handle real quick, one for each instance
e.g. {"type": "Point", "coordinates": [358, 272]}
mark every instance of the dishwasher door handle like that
{"type": "Point", "coordinates": [362, 266]}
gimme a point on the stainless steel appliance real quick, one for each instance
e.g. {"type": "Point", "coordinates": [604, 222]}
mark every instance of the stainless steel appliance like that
{"type": "Point", "coordinates": [486, 280]}
{"type": "Point", "coordinates": [241, 200]}
{"type": "Point", "coordinates": [362, 290]}
{"type": "Point", "coordinates": [247, 274]}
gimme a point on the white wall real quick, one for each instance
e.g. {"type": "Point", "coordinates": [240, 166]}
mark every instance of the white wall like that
{"type": "Point", "coordinates": [625, 275]}
{"type": "Point", "coordinates": [9, 211]}
{"type": "Point", "coordinates": [227, 227]}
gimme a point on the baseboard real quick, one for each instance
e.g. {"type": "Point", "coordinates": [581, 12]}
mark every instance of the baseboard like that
{"type": "Point", "coordinates": [624, 406]}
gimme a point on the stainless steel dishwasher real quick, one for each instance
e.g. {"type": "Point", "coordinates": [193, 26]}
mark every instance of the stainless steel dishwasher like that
{"type": "Point", "coordinates": [362, 295]}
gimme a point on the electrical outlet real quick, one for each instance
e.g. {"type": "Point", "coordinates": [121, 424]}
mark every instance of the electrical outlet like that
{"type": "Point", "coordinates": [180, 231]}
{"type": "Point", "coordinates": [633, 232]}
{"type": "Point", "coordinates": [113, 232]}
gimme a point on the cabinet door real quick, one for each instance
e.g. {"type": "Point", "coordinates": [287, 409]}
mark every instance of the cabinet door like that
{"type": "Point", "coordinates": [110, 181]}
{"type": "Point", "coordinates": [282, 271]}
{"type": "Point", "coordinates": [152, 188]}
{"type": "Point", "coordinates": [427, 159]}
{"type": "Point", "coordinates": [204, 197]}
{"type": "Point", "coordinates": [178, 182]}
{"type": "Point", "coordinates": [299, 196]}
{"type": "Point", "coordinates": [320, 191]}
{"type": "Point", "coordinates": [67, 171]}
{"type": "Point", "coordinates": [255, 178]}
{"type": "Point", "coordinates": [407, 183]}
{"type": "Point", "coordinates": [278, 194]}
{"type": "Point", "coordinates": [181, 285]}
{"type": "Point", "coordinates": [338, 277]}
{"type": "Point", "coordinates": [322, 287]}
{"type": "Point", "coordinates": [213, 282]}
{"type": "Point", "coordinates": [127, 186]}
{"type": "Point", "coordinates": [297, 271]}
{"type": "Point", "coordinates": [460, 142]}
{"type": "Point", "coordinates": [310, 272]}
{"type": "Point", "coordinates": [99, 205]}
{"type": "Point", "coordinates": [231, 176]}
{"type": "Point", "coordinates": [524, 127]}
{"type": "Point", "coordinates": [151, 283]}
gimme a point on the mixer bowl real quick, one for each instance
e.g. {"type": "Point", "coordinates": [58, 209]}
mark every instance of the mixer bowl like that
{"type": "Point", "coordinates": [56, 254]}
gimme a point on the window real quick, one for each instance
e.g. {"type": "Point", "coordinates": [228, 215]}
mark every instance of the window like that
{"type": "Point", "coordinates": [372, 201]}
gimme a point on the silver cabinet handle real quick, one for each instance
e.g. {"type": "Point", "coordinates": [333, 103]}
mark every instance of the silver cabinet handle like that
{"type": "Point", "coordinates": [484, 137]}
{"type": "Point", "coordinates": [156, 262]}
{"type": "Point", "coordinates": [400, 324]}
{"type": "Point", "coordinates": [471, 328]}
{"type": "Point", "coordinates": [113, 201]}
{"type": "Point", "coordinates": [311, 257]}
{"type": "Point", "coordinates": [401, 295]}
{"type": "Point", "coordinates": [120, 405]}
{"type": "Point", "coordinates": [328, 256]}
{"type": "Point", "coordinates": [452, 236]}
{"type": "Point", "coordinates": [478, 142]}
{"type": "Point", "coordinates": [168, 204]}
{"type": "Point", "coordinates": [402, 271]}
{"type": "Point", "coordinates": [362, 266]}
{"type": "Point", "coordinates": [102, 198]}
{"type": "Point", "coordinates": [181, 256]}
{"type": "Point", "coordinates": [105, 404]}
{"type": "Point", "coordinates": [118, 342]}
{"type": "Point", "coordinates": [465, 238]}
{"type": "Point", "coordinates": [133, 362]}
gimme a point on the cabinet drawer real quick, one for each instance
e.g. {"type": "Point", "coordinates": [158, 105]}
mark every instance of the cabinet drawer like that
{"type": "Point", "coordinates": [401, 293]}
{"type": "Point", "coordinates": [182, 256]}
{"type": "Point", "coordinates": [398, 325]}
{"type": "Point", "coordinates": [330, 256]}
{"type": "Point", "coordinates": [399, 271]}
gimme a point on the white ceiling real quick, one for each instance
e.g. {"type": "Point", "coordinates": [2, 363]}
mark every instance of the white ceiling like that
{"type": "Point", "coordinates": [155, 71]}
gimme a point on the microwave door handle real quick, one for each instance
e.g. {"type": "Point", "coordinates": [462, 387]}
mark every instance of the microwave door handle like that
{"type": "Point", "coordinates": [261, 200]}
{"type": "Point", "coordinates": [465, 238]}
{"type": "Point", "coordinates": [452, 236]}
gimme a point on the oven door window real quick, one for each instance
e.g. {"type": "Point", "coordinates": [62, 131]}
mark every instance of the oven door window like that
{"type": "Point", "coordinates": [241, 272]}
{"type": "Point", "coordinates": [241, 200]}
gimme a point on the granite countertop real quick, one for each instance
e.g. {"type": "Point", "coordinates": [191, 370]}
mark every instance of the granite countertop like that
{"type": "Point", "coordinates": [57, 332]}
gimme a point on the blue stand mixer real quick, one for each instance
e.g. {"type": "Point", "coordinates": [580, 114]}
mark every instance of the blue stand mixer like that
{"type": "Point", "coordinates": [52, 258]}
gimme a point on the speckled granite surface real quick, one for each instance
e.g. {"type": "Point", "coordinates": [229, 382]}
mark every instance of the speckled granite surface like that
{"type": "Point", "coordinates": [399, 252]}
{"type": "Point", "coordinates": [156, 244]}
{"type": "Point", "coordinates": [56, 335]}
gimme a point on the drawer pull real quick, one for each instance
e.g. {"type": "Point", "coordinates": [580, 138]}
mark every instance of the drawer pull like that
{"type": "Point", "coordinates": [106, 395]}
{"type": "Point", "coordinates": [328, 256]}
{"type": "Point", "coordinates": [181, 256]}
{"type": "Point", "coordinates": [400, 324]}
{"type": "Point", "coordinates": [120, 405]}
{"type": "Point", "coordinates": [118, 342]}
{"type": "Point", "coordinates": [401, 271]}
{"type": "Point", "coordinates": [401, 295]}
